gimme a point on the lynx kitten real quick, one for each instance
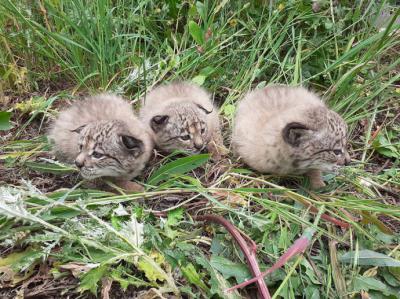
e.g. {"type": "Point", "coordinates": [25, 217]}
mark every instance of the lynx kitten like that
{"type": "Point", "coordinates": [182, 117]}
{"type": "Point", "coordinates": [288, 130]}
{"type": "Point", "coordinates": [103, 137]}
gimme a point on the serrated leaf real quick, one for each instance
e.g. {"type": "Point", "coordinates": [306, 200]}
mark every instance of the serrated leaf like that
{"type": "Point", "coordinates": [174, 216]}
{"type": "Point", "coordinates": [196, 32]}
{"type": "Point", "coordinates": [20, 261]}
{"type": "Point", "coordinates": [179, 166]}
{"type": "Point", "coordinates": [91, 279]}
{"type": "Point", "coordinates": [369, 258]}
{"type": "Point", "coordinates": [50, 167]}
{"type": "Point", "coordinates": [191, 274]}
{"type": "Point", "coordinates": [230, 269]}
{"type": "Point", "coordinates": [152, 273]}
{"type": "Point", "coordinates": [5, 123]}
{"type": "Point", "coordinates": [217, 282]}
{"type": "Point", "coordinates": [125, 279]}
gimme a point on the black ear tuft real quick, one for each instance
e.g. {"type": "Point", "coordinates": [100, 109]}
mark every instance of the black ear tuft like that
{"type": "Point", "coordinates": [204, 109]}
{"type": "Point", "coordinates": [294, 132]}
{"type": "Point", "coordinates": [78, 129]}
{"type": "Point", "coordinates": [158, 121]}
{"type": "Point", "coordinates": [131, 143]}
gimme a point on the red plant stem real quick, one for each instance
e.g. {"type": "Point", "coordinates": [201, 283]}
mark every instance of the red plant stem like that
{"type": "Point", "coordinates": [249, 254]}
{"type": "Point", "coordinates": [325, 216]}
{"type": "Point", "coordinates": [299, 246]}
{"type": "Point", "coordinates": [335, 221]}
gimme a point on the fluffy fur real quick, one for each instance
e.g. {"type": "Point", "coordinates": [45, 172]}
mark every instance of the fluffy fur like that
{"type": "Point", "coordinates": [181, 117]}
{"type": "Point", "coordinates": [103, 137]}
{"type": "Point", "coordinates": [289, 130]}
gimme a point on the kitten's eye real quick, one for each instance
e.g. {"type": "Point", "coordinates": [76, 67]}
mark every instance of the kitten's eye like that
{"type": "Point", "coordinates": [337, 152]}
{"type": "Point", "coordinates": [97, 155]}
{"type": "Point", "coordinates": [185, 137]}
{"type": "Point", "coordinates": [203, 130]}
{"type": "Point", "coordinates": [80, 147]}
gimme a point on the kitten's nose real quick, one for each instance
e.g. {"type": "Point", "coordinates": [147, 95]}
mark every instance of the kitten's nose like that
{"type": "Point", "coordinates": [78, 163]}
{"type": "Point", "coordinates": [198, 146]}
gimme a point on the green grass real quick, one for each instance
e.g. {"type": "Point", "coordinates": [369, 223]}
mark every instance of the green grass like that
{"type": "Point", "coordinates": [53, 50]}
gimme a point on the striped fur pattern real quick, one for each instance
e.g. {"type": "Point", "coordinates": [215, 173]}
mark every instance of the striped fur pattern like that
{"type": "Point", "coordinates": [288, 130]}
{"type": "Point", "coordinates": [181, 117]}
{"type": "Point", "coordinates": [103, 137]}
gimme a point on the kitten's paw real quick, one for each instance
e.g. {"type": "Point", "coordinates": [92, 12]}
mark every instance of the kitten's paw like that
{"type": "Point", "coordinates": [130, 186]}
{"type": "Point", "coordinates": [316, 179]}
{"type": "Point", "coordinates": [317, 184]}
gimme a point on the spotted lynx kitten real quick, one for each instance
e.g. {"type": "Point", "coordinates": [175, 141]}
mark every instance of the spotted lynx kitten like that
{"type": "Point", "coordinates": [182, 117]}
{"type": "Point", "coordinates": [288, 130]}
{"type": "Point", "coordinates": [103, 137]}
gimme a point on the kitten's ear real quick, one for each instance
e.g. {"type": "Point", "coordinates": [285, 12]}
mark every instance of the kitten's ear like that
{"type": "Point", "coordinates": [132, 144]}
{"type": "Point", "coordinates": [78, 129]}
{"type": "Point", "coordinates": [158, 121]}
{"type": "Point", "coordinates": [294, 133]}
{"type": "Point", "coordinates": [204, 109]}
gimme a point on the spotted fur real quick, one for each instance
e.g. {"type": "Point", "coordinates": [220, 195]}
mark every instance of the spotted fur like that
{"type": "Point", "coordinates": [288, 130]}
{"type": "Point", "coordinates": [103, 137]}
{"type": "Point", "coordinates": [181, 117]}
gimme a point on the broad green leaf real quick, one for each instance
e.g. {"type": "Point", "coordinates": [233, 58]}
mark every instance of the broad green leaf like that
{"type": "Point", "coordinates": [5, 121]}
{"type": "Point", "coordinates": [46, 167]}
{"type": "Point", "coordinates": [90, 280]}
{"type": "Point", "coordinates": [179, 166]}
{"type": "Point", "coordinates": [196, 32]}
{"type": "Point", "coordinates": [370, 283]}
{"type": "Point", "coordinates": [199, 79]}
{"type": "Point", "coordinates": [174, 216]}
{"type": "Point", "coordinates": [204, 73]}
{"type": "Point", "coordinates": [230, 269]}
{"type": "Point", "coordinates": [152, 273]}
{"type": "Point", "coordinates": [369, 258]}
{"type": "Point", "coordinates": [395, 271]}
{"type": "Point", "coordinates": [190, 273]}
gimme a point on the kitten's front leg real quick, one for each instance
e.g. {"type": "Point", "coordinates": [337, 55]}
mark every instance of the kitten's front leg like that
{"type": "Point", "coordinates": [129, 185]}
{"type": "Point", "coordinates": [216, 146]}
{"type": "Point", "coordinates": [316, 179]}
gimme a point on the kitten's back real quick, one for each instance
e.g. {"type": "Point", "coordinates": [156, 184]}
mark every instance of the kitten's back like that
{"type": "Point", "coordinates": [260, 119]}
{"type": "Point", "coordinates": [176, 92]}
{"type": "Point", "coordinates": [276, 102]}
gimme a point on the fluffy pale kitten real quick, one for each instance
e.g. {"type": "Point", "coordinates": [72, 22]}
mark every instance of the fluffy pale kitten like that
{"type": "Point", "coordinates": [289, 130]}
{"type": "Point", "coordinates": [182, 117]}
{"type": "Point", "coordinates": [103, 137]}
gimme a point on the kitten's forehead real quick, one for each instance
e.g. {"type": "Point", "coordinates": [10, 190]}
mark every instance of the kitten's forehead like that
{"type": "Point", "coordinates": [186, 117]}
{"type": "Point", "coordinates": [336, 126]}
{"type": "Point", "coordinates": [100, 132]}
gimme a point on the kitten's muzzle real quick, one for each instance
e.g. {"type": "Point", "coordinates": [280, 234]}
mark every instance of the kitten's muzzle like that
{"type": "Point", "coordinates": [79, 163]}
{"type": "Point", "coordinates": [347, 158]}
{"type": "Point", "coordinates": [199, 146]}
